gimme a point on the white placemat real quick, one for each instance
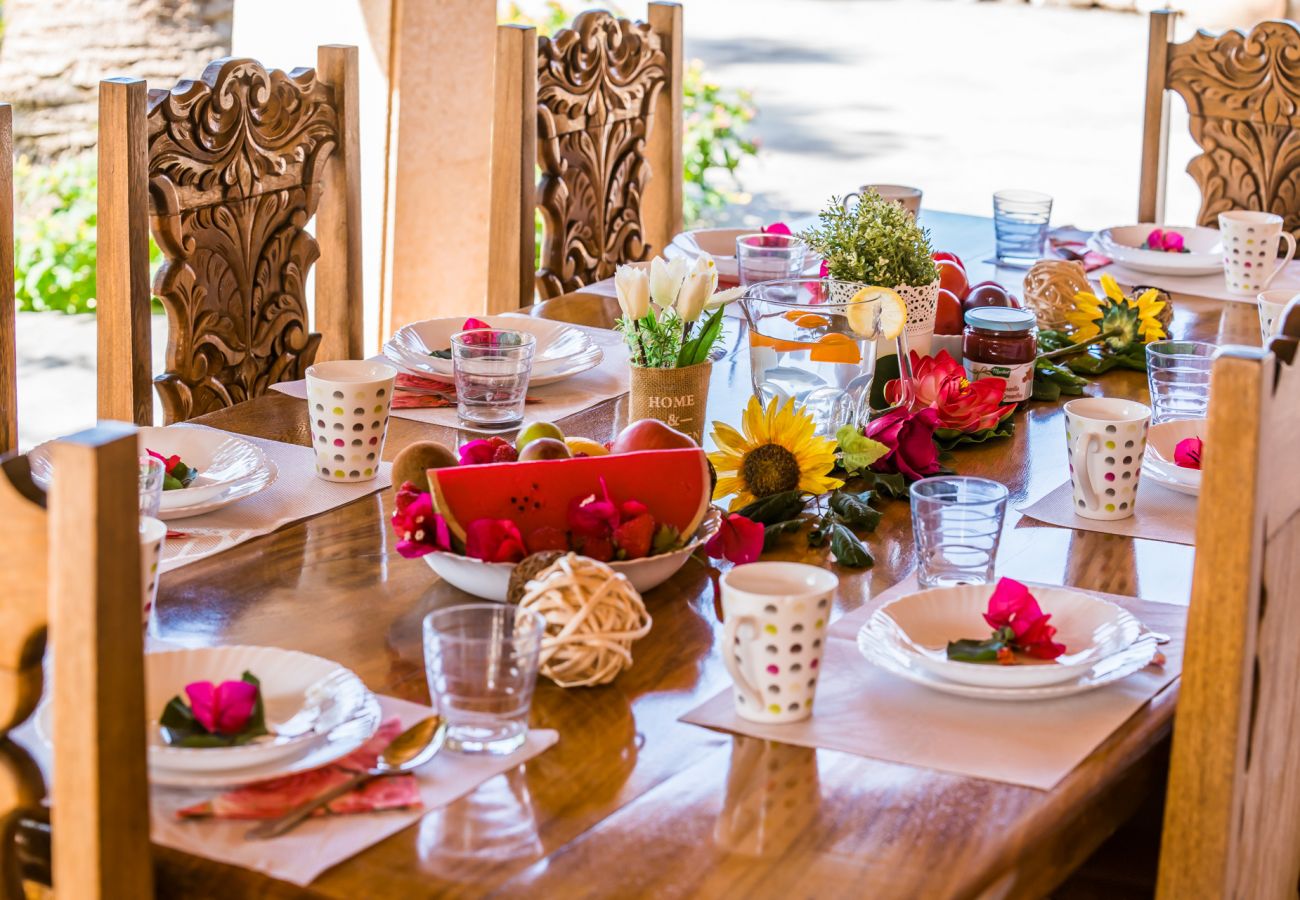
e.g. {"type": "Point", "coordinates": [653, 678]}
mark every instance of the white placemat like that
{"type": "Point", "coordinates": [316, 845]}
{"type": "Point", "coordinates": [1212, 286]}
{"type": "Point", "coordinates": [555, 401]}
{"type": "Point", "coordinates": [296, 494]}
{"type": "Point", "coordinates": [863, 710]}
{"type": "Point", "coordinates": [1159, 514]}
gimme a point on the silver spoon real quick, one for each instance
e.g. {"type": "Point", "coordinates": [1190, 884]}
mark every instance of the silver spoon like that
{"type": "Point", "coordinates": [409, 750]}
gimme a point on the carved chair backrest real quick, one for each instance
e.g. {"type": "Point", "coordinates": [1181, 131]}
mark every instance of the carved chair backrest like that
{"type": "Point", "coordinates": [1232, 816]}
{"type": "Point", "coordinates": [1243, 98]}
{"type": "Point", "coordinates": [72, 560]}
{"type": "Point", "coordinates": [8, 336]}
{"type": "Point", "coordinates": [607, 99]}
{"type": "Point", "coordinates": [227, 172]}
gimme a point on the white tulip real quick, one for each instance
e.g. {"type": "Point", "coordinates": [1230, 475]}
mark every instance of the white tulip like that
{"type": "Point", "coordinates": [632, 285]}
{"type": "Point", "coordinates": [698, 287]}
{"type": "Point", "coordinates": [666, 281]}
{"type": "Point", "coordinates": [722, 298]}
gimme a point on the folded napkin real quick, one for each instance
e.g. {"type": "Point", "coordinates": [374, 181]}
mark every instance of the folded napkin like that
{"type": "Point", "coordinates": [272, 799]}
{"type": "Point", "coordinates": [1078, 251]}
{"type": "Point", "coordinates": [425, 392]}
{"type": "Point", "coordinates": [1159, 514]}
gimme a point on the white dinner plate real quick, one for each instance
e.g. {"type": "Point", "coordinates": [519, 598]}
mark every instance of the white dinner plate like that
{"type": "Point", "coordinates": [562, 350]}
{"type": "Point", "coordinates": [229, 467]}
{"type": "Point", "coordinates": [1124, 245]}
{"type": "Point", "coordinates": [1135, 657]}
{"type": "Point", "coordinates": [919, 626]}
{"type": "Point", "coordinates": [1158, 460]}
{"type": "Point", "coordinates": [720, 243]}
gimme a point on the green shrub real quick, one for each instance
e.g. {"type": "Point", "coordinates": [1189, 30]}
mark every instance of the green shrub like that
{"type": "Point", "coordinates": [54, 239]}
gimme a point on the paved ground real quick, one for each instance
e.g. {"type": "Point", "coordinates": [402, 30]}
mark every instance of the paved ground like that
{"type": "Point", "coordinates": [955, 97]}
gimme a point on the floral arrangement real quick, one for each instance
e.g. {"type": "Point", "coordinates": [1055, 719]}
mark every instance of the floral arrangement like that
{"type": "Point", "coordinates": [874, 241]}
{"type": "Point", "coordinates": [1187, 453]}
{"type": "Point", "coordinates": [177, 475]}
{"type": "Point", "coordinates": [217, 715]}
{"type": "Point", "coordinates": [1019, 626]}
{"type": "Point", "coordinates": [967, 411]}
{"type": "Point", "coordinates": [1107, 331]}
{"type": "Point", "coordinates": [1165, 242]}
{"type": "Point", "coordinates": [662, 309]}
{"type": "Point", "coordinates": [778, 473]}
{"type": "Point", "coordinates": [471, 324]}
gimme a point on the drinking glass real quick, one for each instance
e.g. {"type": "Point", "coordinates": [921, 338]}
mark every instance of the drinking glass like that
{"type": "Point", "coordinates": [1020, 220]}
{"type": "Point", "coordinates": [767, 257]}
{"type": "Point", "coordinates": [481, 661]}
{"type": "Point", "coordinates": [348, 402]}
{"type": "Point", "coordinates": [957, 523]}
{"type": "Point", "coordinates": [1178, 374]}
{"type": "Point", "coordinates": [492, 367]}
{"type": "Point", "coordinates": [152, 472]}
{"type": "Point", "coordinates": [1271, 306]}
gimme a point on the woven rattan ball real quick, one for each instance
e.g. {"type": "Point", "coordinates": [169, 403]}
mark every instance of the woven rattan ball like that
{"type": "Point", "coordinates": [1050, 287]}
{"type": "Point", "coordinates": [593, 614]}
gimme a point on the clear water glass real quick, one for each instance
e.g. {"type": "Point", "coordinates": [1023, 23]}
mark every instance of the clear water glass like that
{"type": "Point", "coordinates": [768, 257]}
{"type": "Point", "coordinates": [957, 523]}
{"type": "Point", "coordinates": [1020, 220]}
{"type": "Point", "coordinates": [492, 367]}
{"type": "Point", "coordinates": [481, 661]}
{"type": "Point", "coordinates": [1178, 374]}
{"type": "Point", "coordinates": [152, 472]}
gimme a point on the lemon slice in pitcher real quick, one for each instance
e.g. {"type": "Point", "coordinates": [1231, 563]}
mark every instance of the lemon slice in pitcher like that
{"type": "Point", "coordinates": [861, 311]}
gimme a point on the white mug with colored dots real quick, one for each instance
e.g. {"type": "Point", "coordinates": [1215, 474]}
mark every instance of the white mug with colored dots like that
{"type": "Point", "coordinates": [348, 402]}
{"type": "Point", "coordinates": [774, 629]}
{"type": "Point", "coordinates": [1105, 438]}
{"type": "Point", "coordinates": [1250, 249]}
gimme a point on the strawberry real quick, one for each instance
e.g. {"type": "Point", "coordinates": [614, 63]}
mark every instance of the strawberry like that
{"type": "Point", "coordinates": [598, 548]}
{"type": "Point", "coordinates": [630, 509]}
{"type": "Point", "coordinates": [634, 536]}
{"type": "Point", "coordinates": [504, 451]}
{"type": "Point", "coordinates": [547, 538]}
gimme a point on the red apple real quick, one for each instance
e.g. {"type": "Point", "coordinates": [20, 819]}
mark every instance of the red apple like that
{"type": "Point", "coordinates": [988, 293]}
{"type": "Point", "coordinates": [649, 434]}
{"type": "Point", "coordinates": [951, 257]}
{"type": "Point", "coordinates": [948, 317]}
{"type": "Point", "coordinates": [952, 277]}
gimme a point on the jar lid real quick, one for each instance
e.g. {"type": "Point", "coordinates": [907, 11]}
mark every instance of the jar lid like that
{"type": "Point", "coordinates": [1000, 318]}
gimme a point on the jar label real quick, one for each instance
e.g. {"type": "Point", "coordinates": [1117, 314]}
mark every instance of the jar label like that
{"type": "Point", "coordinates": [1020, 377]}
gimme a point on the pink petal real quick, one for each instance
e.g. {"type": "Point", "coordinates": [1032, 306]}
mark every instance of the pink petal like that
{"type": "Point", "coordinates": [202, 696]}
{"type": "Point", "coordinates": [777, 228]}
{"type": "Point", "coordinates": [233, 702]}
{"type": "Point", "coordinates": [739, 540]}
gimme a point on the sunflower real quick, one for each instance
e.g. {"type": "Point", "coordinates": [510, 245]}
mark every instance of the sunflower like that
{"type": "Point", "coordinates": [778, 452]}
{"type": "Point", "coordinates": [1120, 320]}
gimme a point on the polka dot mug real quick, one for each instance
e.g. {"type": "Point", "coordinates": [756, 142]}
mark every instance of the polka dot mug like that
{"type": "Point", "coordinates": [1250, 249]}
{"type": "Point", "coordinates": [775, 616]}
{"type": "Point", "coordinates": [153, 533]}
{"type": "Point", "coordinates": [1105, 437]}
{"type": "Point", "coordinates": [348, 402]}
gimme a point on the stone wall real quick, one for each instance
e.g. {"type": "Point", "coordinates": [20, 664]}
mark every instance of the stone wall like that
{"type": "Point", "coordinates": [55, 52]}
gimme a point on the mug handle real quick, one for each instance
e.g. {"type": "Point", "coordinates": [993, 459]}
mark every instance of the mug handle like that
{"type": "Point", "coordinates": [736, 668]}
{"type": "Point", "coordinates": [1290, 240]}
{"type": "Point", "coordinates": [1079, 457]}
{"type": "Point", "coordinates": [851, 195]}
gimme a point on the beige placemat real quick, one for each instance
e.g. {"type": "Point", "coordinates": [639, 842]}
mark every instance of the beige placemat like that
{"type": "Point", "coordinates": [1160, 514]}
{"type": "Point", "coordinates": [1214, 286]}
{"type": "Point", "coordinates": [296, 494]}
{"type": "Point", "coordinates": [864, 710]}
{"type": "Point", "coordinates": [316, 845]}
{"type": "Point", "coordinates": [555, 401]}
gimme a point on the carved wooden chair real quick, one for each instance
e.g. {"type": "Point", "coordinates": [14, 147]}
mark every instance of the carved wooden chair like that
{"type": "Point", "coordinates": [598, 107]}
{"type": "Point", "coordinates": [89, 593]}
{"type": "Point", "coordinates": [227, 172]}
{"type": "Point", "coordinates": [1243, 96]}
{"type": "Point", "coordinates": [8, 336]}
{"type": "Point", "coordinates": [1232, 816]}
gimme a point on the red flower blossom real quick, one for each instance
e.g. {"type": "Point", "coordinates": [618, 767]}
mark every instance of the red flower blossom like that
{"type": "Point", "coordinates": [494, 540]}
{"type": "Point", "coordinates": [222, 708]}
{"type": "Point", "coordinates": [940, 383]}
{"type": "Point", "coordinates": [419, 529]}
{"type": "Point", "coordinates": [487, 450]}
{"type": "Point", "coordinates": [776, 228]}
{"type": "Point", "coordinates": [1187, 453]}
{"type": "Point", "coordinates": [595, 516]}
{"type": "Point", "coordinates": [910, 439]}
{"type": "Point", "coordinates": [1012, 606]}
{"type": "Point", "coordinates": [739, 540]}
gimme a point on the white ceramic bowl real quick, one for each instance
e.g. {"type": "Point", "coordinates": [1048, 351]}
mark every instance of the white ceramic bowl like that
{"type": "Point", "coordinates": [491, 581]}
{"type": "Point", "coordinates": [1158, 460]}
{"type": "Point", "coordinates": [920, 625]}
{"type": "Point", "coordinates": [562, 350]}
{"type": "Point", "coordinates": [1125, 245]}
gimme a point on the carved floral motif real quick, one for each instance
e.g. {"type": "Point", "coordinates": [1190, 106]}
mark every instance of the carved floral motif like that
{"type": "Point", "coordinates": [597, 86]}
{"type": "Point", "coordinates": [235, 162]}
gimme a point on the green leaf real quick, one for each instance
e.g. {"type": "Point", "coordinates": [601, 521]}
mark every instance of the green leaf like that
{"type": "Point", "coordinates": [969, 650]}
{"type": "Point", "coordinates": [441, 354]}
{"type": "Point", "coordinates": [893, 486]}
{"type": "Point", "coordinates": [948, 438]}
{"type": "Point", "coordinates": [848, 548]}
{"type": "Point", "coordinates": [177, 714]}
{"type": "Point", "coordinates": [773, 508]}
{"type": "Point", "coordinates": [857, 451]}
{"type": "Point", "coordinates": [820, 533]}
{"type": "Point", "coordinates": [697, 349]}
{"type": "Point", "coordinates": [772, 533]}
{"type": "Point", "coordinates": [666, 539]}
{"type": "Point", "coordinates": [855, 510]}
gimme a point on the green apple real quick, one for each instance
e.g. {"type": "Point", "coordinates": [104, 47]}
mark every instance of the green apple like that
{"type": "Point", "coordinates": [534, 430]}
{"type": "Point", "coordinates": [544, 448]}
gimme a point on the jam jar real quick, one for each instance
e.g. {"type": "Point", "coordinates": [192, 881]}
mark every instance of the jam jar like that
{"type": "Point", "coordinates": [1002, 341]}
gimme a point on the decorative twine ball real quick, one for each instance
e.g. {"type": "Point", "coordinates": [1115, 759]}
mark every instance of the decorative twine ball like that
{"type": "Point", "coordinates": [593, 614]}
{"type": "Point", "coordinates": [1166, 315]}
{"type": "Point", "coordinates": [1050, 287]}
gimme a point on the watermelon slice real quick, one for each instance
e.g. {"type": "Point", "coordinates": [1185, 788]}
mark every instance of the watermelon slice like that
{"type": "Point", "coordinates": [674, 484]}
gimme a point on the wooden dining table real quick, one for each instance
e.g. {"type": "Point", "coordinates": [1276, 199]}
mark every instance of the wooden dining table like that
{"type": "Point", "coordinates": [631, 801]}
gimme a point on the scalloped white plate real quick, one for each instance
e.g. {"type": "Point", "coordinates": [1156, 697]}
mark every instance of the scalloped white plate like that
{"type": "Point", "coordinates": [1124, 243]}
{"type": "Point", "coordinates": [562, 350]}
{"type": "Point", "coordinates": [1158, 460]}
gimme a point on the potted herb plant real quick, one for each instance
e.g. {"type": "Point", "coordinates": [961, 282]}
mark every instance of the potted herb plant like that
{"type": "Point", "coordinates": [670, 337]}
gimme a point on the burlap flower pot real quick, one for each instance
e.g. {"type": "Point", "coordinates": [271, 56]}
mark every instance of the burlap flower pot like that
{"type": "Point", "coordinates": [676, 397]}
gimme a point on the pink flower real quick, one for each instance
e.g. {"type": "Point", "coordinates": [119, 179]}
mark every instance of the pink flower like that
{"type": "Point", "coordinates": [739, 540]}
{"type": "Point", "coordinates": [1187, 453]}
{"type": "Point", "coordinates": [472, 324]}
{"type": "Point", "coordinates": [910, 439]}
{"type": "Point", "coordinates": [419, 529]}
{"type": "Point", "coordinates": [223, 708]}
{"type": "Point", "coordinates": [487, 450]}
{"type": "Point", "coordinates": [494, 540]}
{"type": "Point", "coordinates": [1165, 241]}
{"type": "Point", "coordinates": [595, 516]}
{"type": "Point", "coordinates": [824, 271]}
{"type": "Point", "coordinates": [776, 228]}
{"type": "Point", "coordinates": [940, 383]}
{"type": "Point", "coordinates": [1012, 606]}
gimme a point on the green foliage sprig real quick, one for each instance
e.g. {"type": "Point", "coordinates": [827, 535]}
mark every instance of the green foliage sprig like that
{"type": "Point", "coordinates": [874, 241]}
{"type": "Point", "coordinates": [834, 518]}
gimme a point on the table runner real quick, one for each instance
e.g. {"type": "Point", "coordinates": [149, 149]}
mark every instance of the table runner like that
{"type": "Point", "coordinates": [556, 401]}
{"type": "Point", "coordinates": [1159, 514]}
{"type": "Point", "coordinates": [863, 710]}
{"type": "Point", "coordinates": [296, 494]}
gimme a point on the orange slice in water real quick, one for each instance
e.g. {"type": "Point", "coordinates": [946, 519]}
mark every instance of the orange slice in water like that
{"type": "Point", "coordinates": [836, 348]}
